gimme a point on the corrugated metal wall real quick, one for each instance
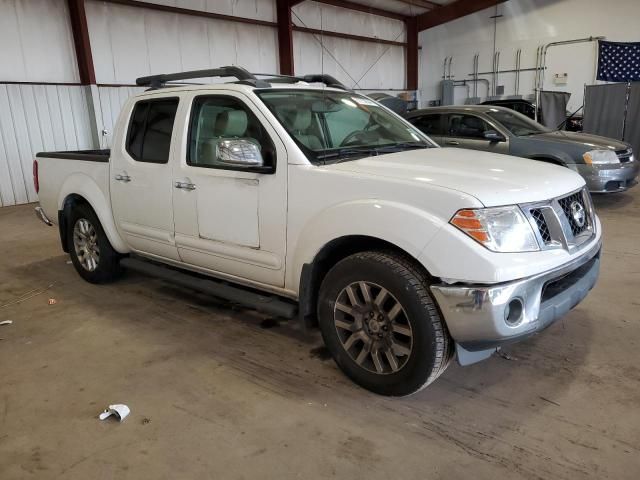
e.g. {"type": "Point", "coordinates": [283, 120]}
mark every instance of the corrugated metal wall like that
{"type": "Point", "coordinates": [34, 118]}
{"type": "Point", "coordinates": [36, 45]}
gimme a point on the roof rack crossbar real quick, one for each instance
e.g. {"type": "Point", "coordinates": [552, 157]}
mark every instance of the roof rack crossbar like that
{"type": "Point", "coordinates": [157, 81]}
{"type": "Point", "coordinates": [325, 78]}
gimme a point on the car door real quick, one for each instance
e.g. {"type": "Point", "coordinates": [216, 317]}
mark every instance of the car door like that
{"type": "Point", "coordinates": [431, 124]}
{"type": "Point", "coordinates": [141, 176]}
{"type": "Point", "coordinates": [230, 219]}
{"type": "Point", "coordinates": [465, 130]}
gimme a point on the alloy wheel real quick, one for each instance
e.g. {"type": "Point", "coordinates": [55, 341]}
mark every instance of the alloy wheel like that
{"type": "Point", "coordinates": [85, 243]}
{"type": "Point", "coordinates": [373, 327]}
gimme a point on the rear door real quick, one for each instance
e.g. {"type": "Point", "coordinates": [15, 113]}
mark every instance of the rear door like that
{"type": "Point", "coordinates": [141, 187]}
{"type": "Point", "coordinates": [465, 130]}
{"type": "Point", "coordinates": [431, 124]}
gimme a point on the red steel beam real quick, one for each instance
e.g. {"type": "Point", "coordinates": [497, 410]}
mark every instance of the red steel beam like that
{"type": "Point", "coordinates": [348, 36]}
{"type": "Point", "coordinates": [453, 11]}
{"type": "Point", "coordinates": [285, 37]}
{"type": "Point", "coordinates": [411, 53]}
{"type": "Point", "coordinates": [189, 11]}
{"type": "Point", "coordinates": [80, 31]}
{"type": "Point", "coordinates": [363, 8]}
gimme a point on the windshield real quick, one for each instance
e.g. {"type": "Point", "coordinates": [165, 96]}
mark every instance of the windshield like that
{"type": "Point", "coordinates": [336, 126]}
{"type": "Point", "coordinates": [516, 123]}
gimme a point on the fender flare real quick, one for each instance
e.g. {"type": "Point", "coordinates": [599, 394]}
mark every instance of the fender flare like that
{"type": "Point", "coordinates": [84, 186]}
{"type": "Point", "coordinates": [382, 220]}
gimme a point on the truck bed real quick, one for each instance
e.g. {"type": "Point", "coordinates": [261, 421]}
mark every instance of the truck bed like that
{"type": "Point", "coordinates": [85, 155]}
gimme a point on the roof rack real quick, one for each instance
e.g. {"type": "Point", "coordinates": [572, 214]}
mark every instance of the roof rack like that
{"type": "Point", "coordinates": [159, 81]}
{"type": "Point", "coordinates": [325, 78]}
{"type": "Point", "coordinates": [243, 76]}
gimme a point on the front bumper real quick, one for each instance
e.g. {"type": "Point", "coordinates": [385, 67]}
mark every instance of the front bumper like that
{"type": "Point", "coordinates": [608, 178]}
{"type": "Point", "coordinates": [481, 318]}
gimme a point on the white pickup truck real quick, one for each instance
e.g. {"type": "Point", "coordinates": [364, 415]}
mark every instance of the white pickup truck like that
{"type": "Point", "coordinates": [313, 201]}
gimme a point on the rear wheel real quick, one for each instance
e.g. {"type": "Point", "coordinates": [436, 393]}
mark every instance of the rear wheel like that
{"type": "Point", "coordinates": [381, 325]}
{"type": "Point", "coordinates": [91, 253]}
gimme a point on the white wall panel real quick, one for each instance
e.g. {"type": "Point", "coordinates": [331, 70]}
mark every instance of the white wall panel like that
{"type": "Point", "coordinates": [526, 24]}
{"type": "Point", "coordinates": [357, 64]}
{"type": "Point", "coordinates": [131, 42]}
{"type": "Point", "coordinates": [36, 44]}
{"type": "Point", "coordinates": [335, 19]}
{"type": "Point", "coordinates": [257, 9]}
{"type": "Point", "coordinates": [111, 100]}
{"type": "Point", "coordinates": [36, 118]}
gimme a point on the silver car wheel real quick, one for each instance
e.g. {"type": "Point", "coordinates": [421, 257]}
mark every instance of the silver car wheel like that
{"type": "Point", "coordinates": [373, 327]}
{"type": "Point", "coordinates": [85, 243]}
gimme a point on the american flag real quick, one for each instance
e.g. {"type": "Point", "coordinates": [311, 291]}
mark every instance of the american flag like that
{"type": "Point", "coordinates": [618, 61]}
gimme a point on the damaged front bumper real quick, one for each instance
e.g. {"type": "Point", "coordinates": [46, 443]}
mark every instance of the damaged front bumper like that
{"type": "Point", "coordinates": [481, 318]}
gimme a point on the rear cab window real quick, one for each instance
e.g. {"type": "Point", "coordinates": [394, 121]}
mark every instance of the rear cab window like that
{"type": "Point", "coordinates": [150, 128]}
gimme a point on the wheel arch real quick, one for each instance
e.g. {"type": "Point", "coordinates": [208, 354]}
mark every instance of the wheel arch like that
{"type": "Point", "coordinates": [313, 273]}
{"type": "Point", "coordinates": [81, 188]}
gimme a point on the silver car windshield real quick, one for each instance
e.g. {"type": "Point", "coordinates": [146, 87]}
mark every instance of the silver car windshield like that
{"type": "Point", "coordinates": [337, 126]}
{"type": "Point", "coordinates": [518, 124]}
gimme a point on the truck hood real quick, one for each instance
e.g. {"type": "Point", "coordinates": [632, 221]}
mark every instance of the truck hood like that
{"type": "Point", "coordinates": [491, 178]}
{"type": "Point", "coordinates": [588, 141]}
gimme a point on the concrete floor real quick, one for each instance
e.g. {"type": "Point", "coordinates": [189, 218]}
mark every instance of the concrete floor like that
{"type": "Point", "coordinates": [214, 393]}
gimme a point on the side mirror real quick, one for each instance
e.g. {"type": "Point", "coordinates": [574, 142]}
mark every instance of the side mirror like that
{"type": "Point", "coordinates": [238, 152]}
{"type": "Point", "coordinates": [494, 136]}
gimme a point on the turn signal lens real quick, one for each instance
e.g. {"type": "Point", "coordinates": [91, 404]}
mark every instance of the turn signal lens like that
{"type": "Point", "coordinates": [500, 229]}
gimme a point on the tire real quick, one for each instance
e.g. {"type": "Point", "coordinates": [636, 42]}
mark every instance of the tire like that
{"type": "Point", "coordinates": [397, 351]}
{"type": "Point", "coordinates": [91, 252]}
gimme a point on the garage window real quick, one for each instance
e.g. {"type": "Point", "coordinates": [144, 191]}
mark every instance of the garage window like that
{"type": "Point", "coordinates": [150, 129]}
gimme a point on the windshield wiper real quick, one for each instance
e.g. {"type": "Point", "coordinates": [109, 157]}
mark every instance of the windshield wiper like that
{"type": "Point", "coordinates": [346, 153]}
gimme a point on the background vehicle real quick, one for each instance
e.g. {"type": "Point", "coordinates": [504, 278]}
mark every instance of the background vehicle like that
{"type": "Point", "coordinates": [606, 164]}
{"type": "Point", "coordinates": [320, 202]}
{"type": "Point", "coordinates": [573, 123]}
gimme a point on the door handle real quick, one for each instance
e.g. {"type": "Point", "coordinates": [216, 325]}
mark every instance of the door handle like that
{"type": "Point", "coordinates": [185, 185]}
{"type": "Point", "coordinates": [123, 178]}
{"type": "Point", "coordinates": [452, 142]}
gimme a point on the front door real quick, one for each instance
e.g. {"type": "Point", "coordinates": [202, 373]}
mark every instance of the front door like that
{"type": "Point", "coordinates": [230, 219]}
{"type": "Point", "coordinates": [468, 131]}
{"type": "Point", "coordinates": [140, 183]}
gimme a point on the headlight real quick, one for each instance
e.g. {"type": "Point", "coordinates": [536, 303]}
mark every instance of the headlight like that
{"type": "Point", "coordinates": [500, 229]}
{"type": "Point", "coordinates": [599, 157]}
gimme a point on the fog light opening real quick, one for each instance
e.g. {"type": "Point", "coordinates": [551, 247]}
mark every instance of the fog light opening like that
{"type": "Point", "coordinates": [513, 312]}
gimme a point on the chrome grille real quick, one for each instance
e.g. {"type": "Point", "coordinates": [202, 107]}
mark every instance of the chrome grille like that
{"type": "Point", "coordinates": [541, 223]}
{"type": "Point", "coordinates": [554, 224]}
{"type": "Point", "coordinates": [625, 155]}
{"type": "Point", "coordinates": [566, 204]}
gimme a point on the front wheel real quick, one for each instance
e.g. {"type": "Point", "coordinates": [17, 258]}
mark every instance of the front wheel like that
{"type": "Point", "coordinates": [91, 252]}
{"type": "Point", "coordinates": [381, 325]}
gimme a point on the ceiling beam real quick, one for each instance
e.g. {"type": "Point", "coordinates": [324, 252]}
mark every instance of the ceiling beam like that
{"type": "Point", "coordinates": [453, 11]}
{"type": "Point", "coordinates": [421, 3]}
{"type": "Point", "coordinates": [363, 8]}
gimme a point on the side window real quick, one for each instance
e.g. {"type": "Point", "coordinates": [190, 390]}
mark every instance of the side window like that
{"type": "Point", "coordinates": [150, 128]}
{"type": "Point", "coordinates": [467, 126]}
{"type": "Point", "coordinates": [429, 124]}
{"type": "Point", "coordinates": [217, 118]}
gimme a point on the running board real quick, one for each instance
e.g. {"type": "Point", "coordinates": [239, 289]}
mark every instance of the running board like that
{"type": "Point", "coordinates": [270, 304]}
